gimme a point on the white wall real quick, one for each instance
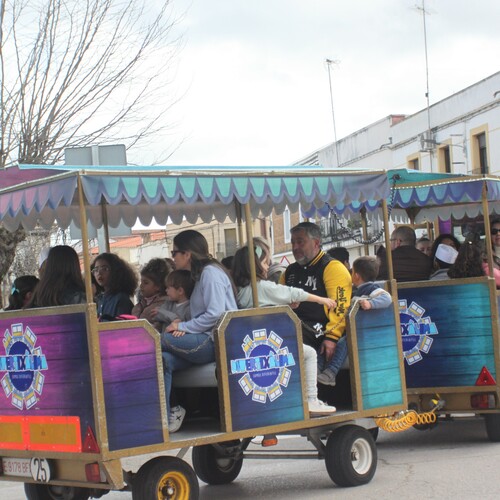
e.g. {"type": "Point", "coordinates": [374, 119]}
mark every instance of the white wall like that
{"type": "Point", "coordinates": [451, 121]}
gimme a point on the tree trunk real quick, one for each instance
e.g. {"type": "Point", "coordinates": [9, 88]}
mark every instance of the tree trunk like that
{"type": "Point", "coordinates": [8, 244]}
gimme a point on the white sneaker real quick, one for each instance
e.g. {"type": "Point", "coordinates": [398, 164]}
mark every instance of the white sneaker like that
{"type": "Point", "coordinates": [175, 419]}
{"type": "Point", "coordinates": [318, 408]}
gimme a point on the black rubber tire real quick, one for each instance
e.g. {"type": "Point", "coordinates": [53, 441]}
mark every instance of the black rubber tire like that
{"type": "Point", "coordinates": [159, 474]}
{"type": "Point", "coordinates": [50, 492]}
{"type": "Point", "coordinates": [212, 467]}
{"type": "Point", "coordinates": [374, 431]}
{"type": "Point", "coordinates": [351, 456]}
{"type": "Point", "coordinates": [492, 421]}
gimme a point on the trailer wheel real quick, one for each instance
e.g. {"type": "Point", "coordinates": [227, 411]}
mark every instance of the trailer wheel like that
{"type": "Point", "coordinates": [374, 431]}
{"type": "Point", "coordinates": [165, 478]}
{"type": "Point", "coordinates": [53, 492]}
{"type": "Point", "coordinates": [492, 421]}
{"type": "Point", "coordinates": [351, 456]}
{"type": "Point", "coordinates": [213, 466]}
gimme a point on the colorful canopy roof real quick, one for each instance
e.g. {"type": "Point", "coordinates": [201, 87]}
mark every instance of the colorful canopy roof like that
{"type": "Point", "coordinates": [177, 193]}
{"type": "Point", "coordinates": [444, 195]}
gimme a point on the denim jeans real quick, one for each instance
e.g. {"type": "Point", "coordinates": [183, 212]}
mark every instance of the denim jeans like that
{"type": "Point", "coordinates": [338, 358]}
{"type": "Point", "coordinates": [182, 352]}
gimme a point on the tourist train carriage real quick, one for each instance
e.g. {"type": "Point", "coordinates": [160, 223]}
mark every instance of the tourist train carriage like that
{"type": "Point", "coordinates": [450, 328]}
{"type": "Point", "coordinates": [79, 396]}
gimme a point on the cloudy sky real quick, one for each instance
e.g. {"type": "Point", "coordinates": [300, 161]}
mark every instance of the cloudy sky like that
{"type": "Point", "coordinates": [256, 82]}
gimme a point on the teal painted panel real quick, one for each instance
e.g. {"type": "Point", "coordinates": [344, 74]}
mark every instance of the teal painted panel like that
{"type": "Point", "coordinates": [455, 365]}
{"type": "Point", "coordinates": [459, 340]}
{"type": "Point", "coordinates": [377, 338]}
{"type": "Point", "coordinates": [381, 381]}
{"type": "Point", "coordinates": [483, 344]}
{"type": "Point", "coordinates": [382, 399]}
{"type": "Point", "coordinates": [380, 358]}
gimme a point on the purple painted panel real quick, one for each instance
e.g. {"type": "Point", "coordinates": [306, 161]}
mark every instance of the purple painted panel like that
{"type": "Point", "coordinates": [44, 367]}
{"type": "Point", "coordinates": [131, 388]}
{"type": "Point", "coordinates": [14, 175]}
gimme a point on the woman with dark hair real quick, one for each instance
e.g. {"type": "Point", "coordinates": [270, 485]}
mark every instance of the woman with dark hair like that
{"type": "Point", "coordinates": [469, 261]}
{"type": "Point", "coordinates": [118, 281]}
{"type": "Point", "coordinates": [61, 282]}
{"type": "Point", "coordinates": [21, 292]}
{"type": "Point", "coordinates": [191, 342]}
{"type": "Point", "coordinates": [495, 243]}
{"type": "Point", "coordinates": [445, 239]}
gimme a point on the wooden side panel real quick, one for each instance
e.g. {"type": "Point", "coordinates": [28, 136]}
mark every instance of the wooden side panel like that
{"type": "Point", "coordinates": [379, 358]}
{"type": "Point", "coordinates": [132, 387]}
{"type": "Point", "coordinates": [448, 333]}
{"type": "Point", "coordinates": [44, 368]}
{"type": "Point", "coordinates": [263, 369]}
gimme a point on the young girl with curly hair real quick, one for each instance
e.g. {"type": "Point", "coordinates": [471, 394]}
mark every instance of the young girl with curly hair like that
{"type": "Point", "coordinates": [118, 282]}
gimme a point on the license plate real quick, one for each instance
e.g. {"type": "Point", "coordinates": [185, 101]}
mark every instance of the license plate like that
{"type": "Point", "coordinates": [36, 468]}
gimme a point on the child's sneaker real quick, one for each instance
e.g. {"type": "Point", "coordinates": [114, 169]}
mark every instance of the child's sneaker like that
{"type": "Point", "coordinates": [318, 408]}
{"type": "Point", "coordinates": [326, 377]}
{"type": "Point", "coordinates": [175, 419]}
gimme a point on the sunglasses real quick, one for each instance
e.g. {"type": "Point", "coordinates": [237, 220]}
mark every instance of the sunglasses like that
{"type": "Point", "coordinates": [175, 252]}
{"type": "Point", "coordinates": [495, 231]}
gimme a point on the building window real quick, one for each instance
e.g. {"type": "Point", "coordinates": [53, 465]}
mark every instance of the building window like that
{"type": "Point", "coordinates": [286, 226]}
{"type": "Point", "coordinates": [483, 153]}
{"type": "Point", "coordinates": [479, 153]}
{"type": "Point", "coordinates": [413, 163]}
{"type": "Point", "coordinates": [444, 160]}
{"type": "Point", "coordinates": [230, 241]}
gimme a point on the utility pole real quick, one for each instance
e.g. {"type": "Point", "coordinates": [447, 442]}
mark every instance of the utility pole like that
{"type": "Point", "coordinates": [329, 63]}
{"type": "Point", "coordinates": [427, 96]}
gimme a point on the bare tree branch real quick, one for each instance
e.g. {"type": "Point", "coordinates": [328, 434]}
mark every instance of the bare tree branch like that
{"type": "Point", "coordinates": [93, 69]}
{"type": "Point", "coordinates": [77, 72]}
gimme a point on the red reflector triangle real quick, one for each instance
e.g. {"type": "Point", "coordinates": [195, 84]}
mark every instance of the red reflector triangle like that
{"type": "Point", "coordinates": [90, 443]}
{"type": "Point", "coordinates": [485, 378]}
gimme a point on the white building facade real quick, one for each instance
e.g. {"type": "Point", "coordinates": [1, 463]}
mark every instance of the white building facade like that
{"type": "Point", "coordinates": [460, 134]}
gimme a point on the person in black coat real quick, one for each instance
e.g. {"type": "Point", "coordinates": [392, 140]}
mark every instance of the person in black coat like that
{"type": "Point", "coordinates": [408, 263]}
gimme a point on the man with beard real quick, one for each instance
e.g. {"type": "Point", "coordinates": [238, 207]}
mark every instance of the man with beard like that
{"type": "Point", "coordinates": [317, 273]}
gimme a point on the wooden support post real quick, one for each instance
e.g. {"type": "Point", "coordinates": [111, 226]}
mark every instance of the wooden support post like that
{"type": "Point", "coordinates": [251, 253]}
{"type": "Point", "coordinates": [387, 234]}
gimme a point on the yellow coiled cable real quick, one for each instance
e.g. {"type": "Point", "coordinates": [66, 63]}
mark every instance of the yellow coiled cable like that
{"type": "Point", "coordinates": [404, 420]}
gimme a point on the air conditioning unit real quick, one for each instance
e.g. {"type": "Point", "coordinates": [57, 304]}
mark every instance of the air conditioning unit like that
{"type": "Point", "coordinates": [427, 141]}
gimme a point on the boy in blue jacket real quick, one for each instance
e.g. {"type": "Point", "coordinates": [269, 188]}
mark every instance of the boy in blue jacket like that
{"type": "Point", "coordinates": [369, 295]}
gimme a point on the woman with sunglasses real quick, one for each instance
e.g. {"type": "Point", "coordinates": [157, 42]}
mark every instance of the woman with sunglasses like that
{"type": "Point", "coordinates": [117, 282]}
{"type": "Point", "coordinates": [495, 242]}
{"type": "Point", "coordinates": [186, 343]}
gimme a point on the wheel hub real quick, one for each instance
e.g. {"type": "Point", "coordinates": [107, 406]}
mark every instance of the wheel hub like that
{"type": "Point", "coordinates": [361, 456]}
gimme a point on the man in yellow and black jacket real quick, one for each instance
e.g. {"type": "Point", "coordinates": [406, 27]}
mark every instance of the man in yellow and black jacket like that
{"type": "Point", "coordinates": [319, 274]}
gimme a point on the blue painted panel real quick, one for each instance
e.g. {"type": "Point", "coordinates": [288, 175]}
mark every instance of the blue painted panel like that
{"type": "Point", "coordinates": [447, 334]}
{"type": "Point", "coordinates": [265, 387]}
{"type": "Point", "coordinates": [379, 356]}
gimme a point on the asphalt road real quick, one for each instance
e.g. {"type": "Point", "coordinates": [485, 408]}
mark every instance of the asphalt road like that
{"type": "Point", "coordinates": [454, 460]}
